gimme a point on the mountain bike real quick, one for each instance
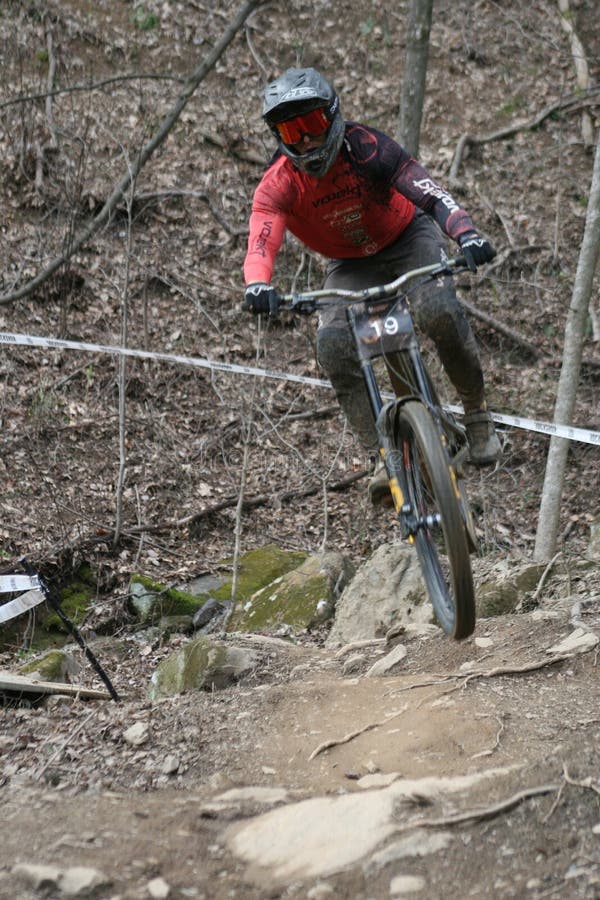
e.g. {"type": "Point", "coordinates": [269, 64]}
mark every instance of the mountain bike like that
{"type": "Point", "coordinates": [423, 446]}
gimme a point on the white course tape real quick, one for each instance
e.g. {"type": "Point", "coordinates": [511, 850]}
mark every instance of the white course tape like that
{"type": "Point", "coordinates": [565, 431]}
{"type": "Point", "coordinates": [10, 583]}
{"type": "Point", "coordinates": [20, 605]}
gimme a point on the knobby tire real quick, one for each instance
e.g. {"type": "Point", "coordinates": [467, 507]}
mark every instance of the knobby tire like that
{"type": "Point", "coordinates": [442, 549]}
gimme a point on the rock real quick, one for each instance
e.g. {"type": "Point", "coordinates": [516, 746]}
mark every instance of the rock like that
{"type": "Point", "coordinates": [56, 665]}
{"type": "Point", "coordinates": [208, 611]}
{"type": "Point", "coordinates": [483, 642]}
{"type": "Point", "coordinates": [202, 664]}
{"type": "Point", "coordinates": [158, 889]}
{"type": "Point", "coordinates": [317, 837]}
{"type": "Point", "coordinates": [82, 881]}
{"type": "Point", "coordinates": [137, 734]}
{"type": "Point", "coordinates": [386, 591]}
{"type": "Point", "coordinates": [579, 641]}
{"type": "Point", "coordinates": [300, 598]}
{"type": "Point", "coordinates": [353, 664]}
{"type": "Point", "coordinates": [402, 885]}
{"type": "Point", "coordinates": [39, 877]}
{"type": "Point", "coordinates": [170, 764]}
{"type": "Point", "coordinates": [385, 665]}
{"type": "Point", "coordinates": [77, 881]}
{"type": "Point", "coordinates": [320, 891]}
{"type": "Point", "coordinates": [501, 589]}
{"type": "Point", "coordinates": [151, 601]}
{"type": "Point", "coordinates": [419, 843]}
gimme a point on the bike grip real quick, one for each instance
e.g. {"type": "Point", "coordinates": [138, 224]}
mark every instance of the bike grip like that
{"type": "Point", "coordinates": [274, 301]}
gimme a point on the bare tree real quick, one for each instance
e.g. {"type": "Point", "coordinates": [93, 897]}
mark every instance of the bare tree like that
{"type": "Point", "coordinates": [415, 72]}
{"type": "Point", "coordinates": [548, 519]}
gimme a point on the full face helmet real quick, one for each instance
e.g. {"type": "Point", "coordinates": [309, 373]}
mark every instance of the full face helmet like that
{"type": "Point", "coordinates": [299, 102]}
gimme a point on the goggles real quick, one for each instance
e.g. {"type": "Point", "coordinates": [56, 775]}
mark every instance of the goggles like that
{"type": "Point", "coordinates": [312, 123]}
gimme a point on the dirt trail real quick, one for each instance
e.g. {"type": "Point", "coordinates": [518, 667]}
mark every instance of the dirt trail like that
{"type": "Point", "coordinates": [103, 803]}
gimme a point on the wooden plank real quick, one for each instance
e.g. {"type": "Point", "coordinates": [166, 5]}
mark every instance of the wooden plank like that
{"type": "Point", "coordinates": [10, 681]}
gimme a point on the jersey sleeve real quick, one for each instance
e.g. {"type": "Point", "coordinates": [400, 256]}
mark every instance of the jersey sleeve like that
{"type": "Point", "coordinates": [415, 182]}
{"type": "Point", "coordinates": [272, 200]}
{"type": "Point", "coordinates": [267, 227]}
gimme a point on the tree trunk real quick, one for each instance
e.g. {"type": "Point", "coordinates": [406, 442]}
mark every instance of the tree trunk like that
{"type": "Point", "coordinates": [548, 519]}
{"type": "Point", "coordinates": [415, 72]}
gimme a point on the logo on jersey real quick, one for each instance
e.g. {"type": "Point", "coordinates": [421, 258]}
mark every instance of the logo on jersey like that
{"type": "Point", "coordinates": [261, 241]}
{"type": "Point", "coordinates": [428, 186]}
{"type": "Point", "coordinates": [342, 194]}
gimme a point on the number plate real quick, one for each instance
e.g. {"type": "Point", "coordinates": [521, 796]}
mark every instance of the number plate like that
{"type": "Point", "coordinates": [382, 328]}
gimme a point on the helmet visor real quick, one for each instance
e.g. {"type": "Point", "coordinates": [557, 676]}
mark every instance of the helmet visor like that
{"type": "Point", "coordinates": [313, 124]}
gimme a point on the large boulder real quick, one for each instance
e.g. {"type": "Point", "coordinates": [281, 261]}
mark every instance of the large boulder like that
{"type": "Point", "coordinates": [387, 590]}
{"type": "Point", "coordinates": [300, 598]}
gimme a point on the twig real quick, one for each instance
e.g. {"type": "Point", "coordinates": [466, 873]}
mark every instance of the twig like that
{"type": "Point", "coordinates": [64, 744]}
{"type": "Point", "coordinates": [478, 815]}
{"type": "Point", "coordinates": [326, 745]}
{"type": "Point", "coordinates": [255, 54]}
{"type": "Point", "coordinates": [542, 580]}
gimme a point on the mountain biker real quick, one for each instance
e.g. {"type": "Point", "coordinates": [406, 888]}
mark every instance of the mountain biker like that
{"type": "Point", "coordinates": [355, 196]}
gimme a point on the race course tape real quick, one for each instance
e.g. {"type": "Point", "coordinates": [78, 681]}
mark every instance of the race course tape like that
{"type": "Point", "coordinates": [570, 432]}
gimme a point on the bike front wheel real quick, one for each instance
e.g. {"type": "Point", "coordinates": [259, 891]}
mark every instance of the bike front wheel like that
{"type": "Point", "coordinates": [434, 520]}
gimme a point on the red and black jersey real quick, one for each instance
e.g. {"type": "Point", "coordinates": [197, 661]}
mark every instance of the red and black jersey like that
{"type": "Point", "coordinates": [362, 204]}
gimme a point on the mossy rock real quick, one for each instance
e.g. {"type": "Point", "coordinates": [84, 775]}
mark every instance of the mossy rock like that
{"type": "Point", "coordinates": [53, 666]}
{"type": "Point", "coordinates": [151, 601]}
{"type": "Point", "coordinates": [258, 568]}
{"type": "Point", "coordinates": [203, 664]}
{"type": "Point", "coordinates": [300, 598]}
{"type": "Point", "coordinates": [75, 598]}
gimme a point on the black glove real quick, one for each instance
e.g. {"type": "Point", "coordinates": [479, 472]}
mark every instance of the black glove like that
{"type": "Point", "coordinates": [476, 249]}
{"type": "Point", "coordinates": [261, 298]}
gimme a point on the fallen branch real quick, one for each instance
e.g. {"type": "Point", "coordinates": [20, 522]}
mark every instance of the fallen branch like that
{"type": "Point", "coordinates": [105, 535]}
{"type": "Point", "coordinates": [144, 155]}
{"type": "Point", "coordinates": [572, 103]}
{"type": "Point", "coordinates": [478, 815]}
{"type": "Point", "coordinates": [520, 340]}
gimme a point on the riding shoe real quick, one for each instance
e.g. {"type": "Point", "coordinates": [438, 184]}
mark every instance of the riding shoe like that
{"type": "Point", "coordinates": [484, 444]}
{"type": "Point", "coordinates": [379, 486]}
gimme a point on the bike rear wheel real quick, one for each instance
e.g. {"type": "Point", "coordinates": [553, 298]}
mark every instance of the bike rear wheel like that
{"type": "Point", "coordinates": [436, 524]}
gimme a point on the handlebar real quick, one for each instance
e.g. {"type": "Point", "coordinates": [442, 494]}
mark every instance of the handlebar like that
{"type": "Point", "coordinates": [307, 302]}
